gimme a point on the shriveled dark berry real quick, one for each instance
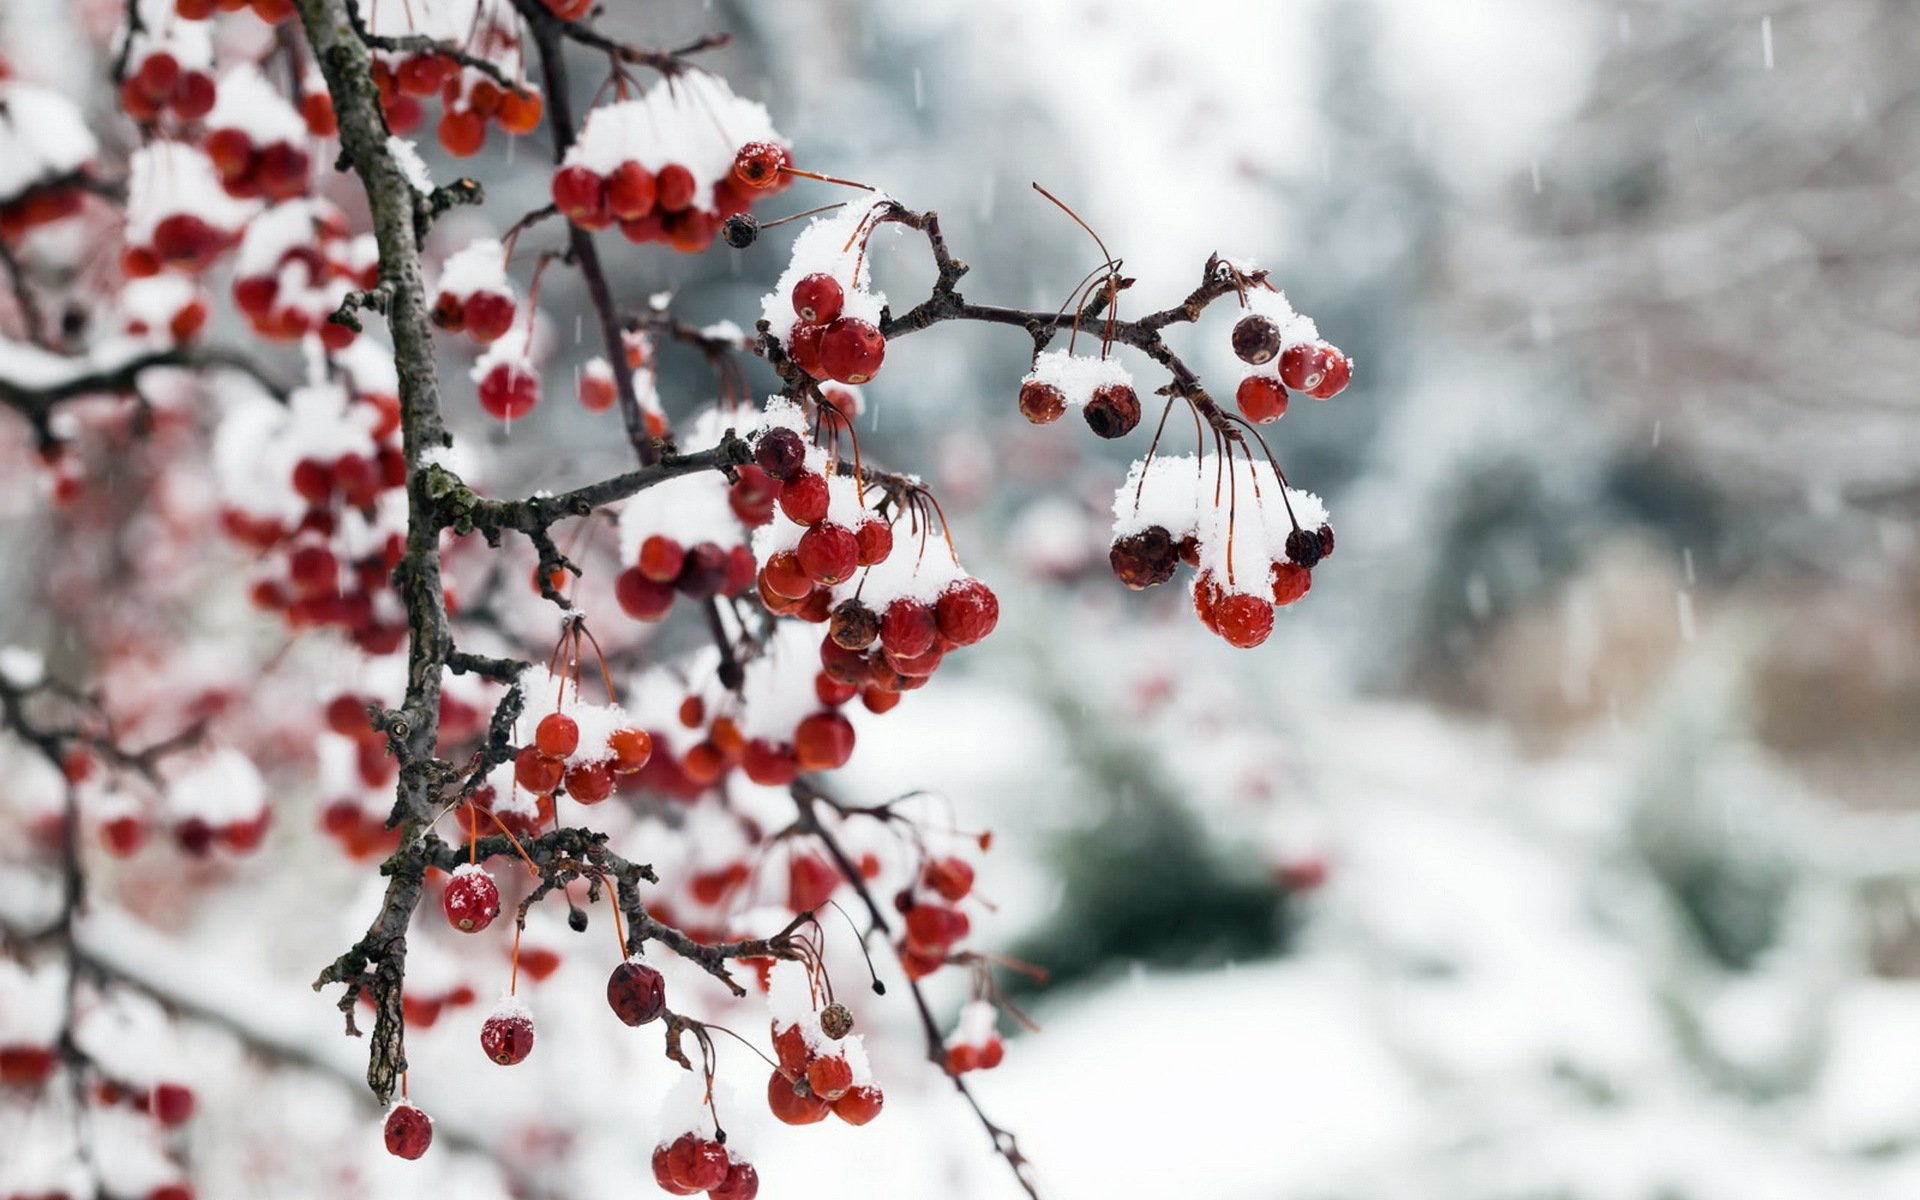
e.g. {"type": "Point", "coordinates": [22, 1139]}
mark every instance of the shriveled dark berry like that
{"type": "Point", "coordinates": [577, 920]}
{"type": "Point", "coordinates": [636, 993]}
{"type": "Point", "coordinates": [740, 230]}
{"type": "Point", "coordinates": [1303, 547]}
{"type": "Point", "coordinates": [1114, 410]}
{"type": "Point", "coordinates": [836, 1020]}
{"type": "Point", "coordinates": [1144, 559]}
{"type": "Point", "coordinates": [1325, 534]}
{"type": "Point", "coordinates": [1256, 339]}
{"type": "Point", "coordinates": [853, 625]}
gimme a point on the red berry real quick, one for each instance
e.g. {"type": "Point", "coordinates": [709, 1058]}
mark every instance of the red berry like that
{"type": "Point", "coordinates": [803, 347]}
{"type": "Point", "coordinates": [697, 1163]}
{"type": "Point", "coordinates": [828, 553]}
{"type": "Point", "coordinates": [951, 877]}
{"type": "Point", "coordinates": [488, 315]}
{"type": "Point", "coordinates": [462, 133]}
{"type": "Point", "coordinates": [968, 610]}
{"type": "Point", "coordinates": [675, 187]}
{"type": "Point", "coordinates": [124, 835]}
{"type": "Point", "coordinates": [830, 1078]}
{"type": "Point", "coordinates": [641, 598]}
{"type": "Point", "coordinates": [471, 900]}
{"type": "Point", "coordinates": [631, 192]}
{"type": "Point", "coordinates": [785, 577]}
{"type": "Point", "coordinates": [557, 735]}
{"type": "Point", "coordinates": [507, 1035]}
{"type": "Point", "coordinates": [661, 559]}
{"type": "Point", "coordinates": [590, 783]}
{"type": "Point", "coordinates": [1290, 582]}
{"type": "Point", "coordinates": [790, 1047]}
{"type": "Point", "coordinates": [1262, 399]}
{"type": "Point", "coordinates": [769, 764]}
{"type": "Point", "coordinates": [1304, 366]}
{"type": "Point", "coordinates": [758, 164]}
{"type": "Point", "coordinates": [636, 993]}
{"type": "Point", "coordinates": [408, 1131]}
{"type": "Point", "coordinates": [743, 1183]}
{"type": "Point", "coordinates": [804, 497]}
{"type": "Point", "coordinates": [193, 97]}
{"type": "Point", "coordinates": [631, 749]}
{"type": "Point", "coordinates": [909, 627]}
{"type": "Point", "coordinates": [823, 741]}
{"type": "Point", "coordinates": [752, 497]}
{"type": "Point", "coordinates": [1244, 620]}
{"type": "Point", "coordinates": [860, 1105]}
{"type": "Point", "coordinates": [597, 391]}
{"type": "Point", "coordinates": [817, 298]}
{"type": "Point", "coordinates": [851, 350]}
{"type": "Point", "coordinates": [537, 772]}
{"type": "Point", "coordinates": [794, 1107]}
{"type": "Point", "coordinates": [581, 196]}
{"type": "Point", "coordinates": [811, 882]}
{"type": "Point", "coordinates": [875, 537]}
{"type": "Point", "coordinates": [26, 1066]}
{"type": "Point", "coordinates": [662, 1155]}
{"type": "Point", "coordinates": [932, 929]}
{"type": "Point", "coordinates": [171, 1103]}
{"type": "Point", "coordinates": [509, 391]}
{"type": "Point", "coordinates": [1338, 373]}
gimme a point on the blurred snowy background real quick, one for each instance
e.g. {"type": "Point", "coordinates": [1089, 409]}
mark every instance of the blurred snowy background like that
{"type": "Point", "coordinates": [1562, 843]}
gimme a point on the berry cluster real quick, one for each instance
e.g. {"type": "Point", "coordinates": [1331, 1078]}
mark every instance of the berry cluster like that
{"type": "Point", "coordinates": [1099, 387]}
{"type": "Point", "coordinates": [932, 920]}
{"type": "Point", "coordinates": [822, 1065]}
{"type": "Point", "coordinates": [577, 748]}
{"type": "Point", "coordinates": [1282, 350]}
{"type": "Point", "coordinates": [825, 318]}
{"type": "Point", "coordinates": [295, 265]}
{"type": "Point", "coordinates": [157, 82]}
{"type": "Point", "coordinates": [170, 307]}
{"type": "Point", "coordinates": [1251, 555]}
{"type": "Point", "coordinates": [974, 1044]}
{"type": "Point", "coordinates": [44, 145]}
{"type": "Point", "coordinates": [470, 101]}
{"type": "Point", "coordinates": [671, 165]}
{"type": "Point", "coordinates": [474, 295]}
{"type": "Point", "coordinates": [691, 1164]}
{"type": "Point", "coordinates": [315, 487]}
{"type": "Point", "coordinates": [178, 214]}
{"type": "Point", "coordinates": [256, 139]}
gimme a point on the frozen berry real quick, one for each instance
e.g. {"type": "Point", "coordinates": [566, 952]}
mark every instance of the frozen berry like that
{"type": "Point", "coordinates": [909, 627]}
{"type": "Point", "coordinates": [1256, 339]}
{"type": "Point", "coordinates": [507, 1035]}
{"type": "Point", "coordinates": [743, 1183]}
{"type": "Point", "coordinates": [1144, 559]}
{"type": "Point", "coordinates": [1244, 620]}
{"type": "Point", "coordinates": [1042, 403]}
{"type": "Point", "coordinates": [967, 611]}
{"type": "Point", "coordinates": [557, 735]}
{"type": "Point", "coordinates": [792, 1103]}
{"type": "Point", "coordinates": [408, 1131]}
{"type": "Point", "coordinates": [851, 351]}
{"type": "Point", "coordinates": [1290, 582]}
{"type": "Point", "coordinates": [859, 1105]}
{"type": "Point", "coordinates": [818, 298]}
{"type": "Point", "coordinates": [472, 899]}
{"type": "Point", "coordinates": [951, 877]}
{"type": "Point", "coordinates": [1261, 398]}
{"type": "Point", "coordinates": [758, 164]}
{"type": "Point", "coordinates": [631, 749]}
{"type": "Point", "coordinates": [830, 1078]}
{"type": "Point", "coordinates": [853, 625]}
{"type": "Point", "coordinates": [828, 553]}
{"type": "Point", "coordinates": [636, 993]}
{"type": "Point", "coordinates": [780, 452]}
{"type": "Point", "coordinates": [1113, 411]}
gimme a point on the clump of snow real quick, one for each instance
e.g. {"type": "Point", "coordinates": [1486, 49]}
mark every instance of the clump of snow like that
{"type": "Point", "coordinates": [247, 102]}
{"type": "Point", "coordinates": [1203, 497]}
{"type": "Point", "coordinates": [189, 42]}
{"type": "Point", "coordinates": [42, 137]}
{"type": "Point", "coordinates": [260, 441]}
{"type": "Point", "coordinates": [831, 244]}
{"type": "Point", "coordinates": [407, 155]}
{"type": "Point", "coordinates": [22, 667]}
{"type": "Point", "coordinates": [165, 178]}
{"type": "Point", "coordinates": [978, 1024]}
{"type": "Point", "coordinates": [478, 266]}
{"type": "Point", "coordinates": [546, 693]}
{"type": "Point", "coordinates": [777, 690]}
{"type": "Point", "coordinates": [31, 1003]}
{"type": "Point", "coordinates": [221, 787]}
{"type": "Point", "coordinates": [1077, 376]}
{"type": "Point", "coordinates": [693, 119]}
